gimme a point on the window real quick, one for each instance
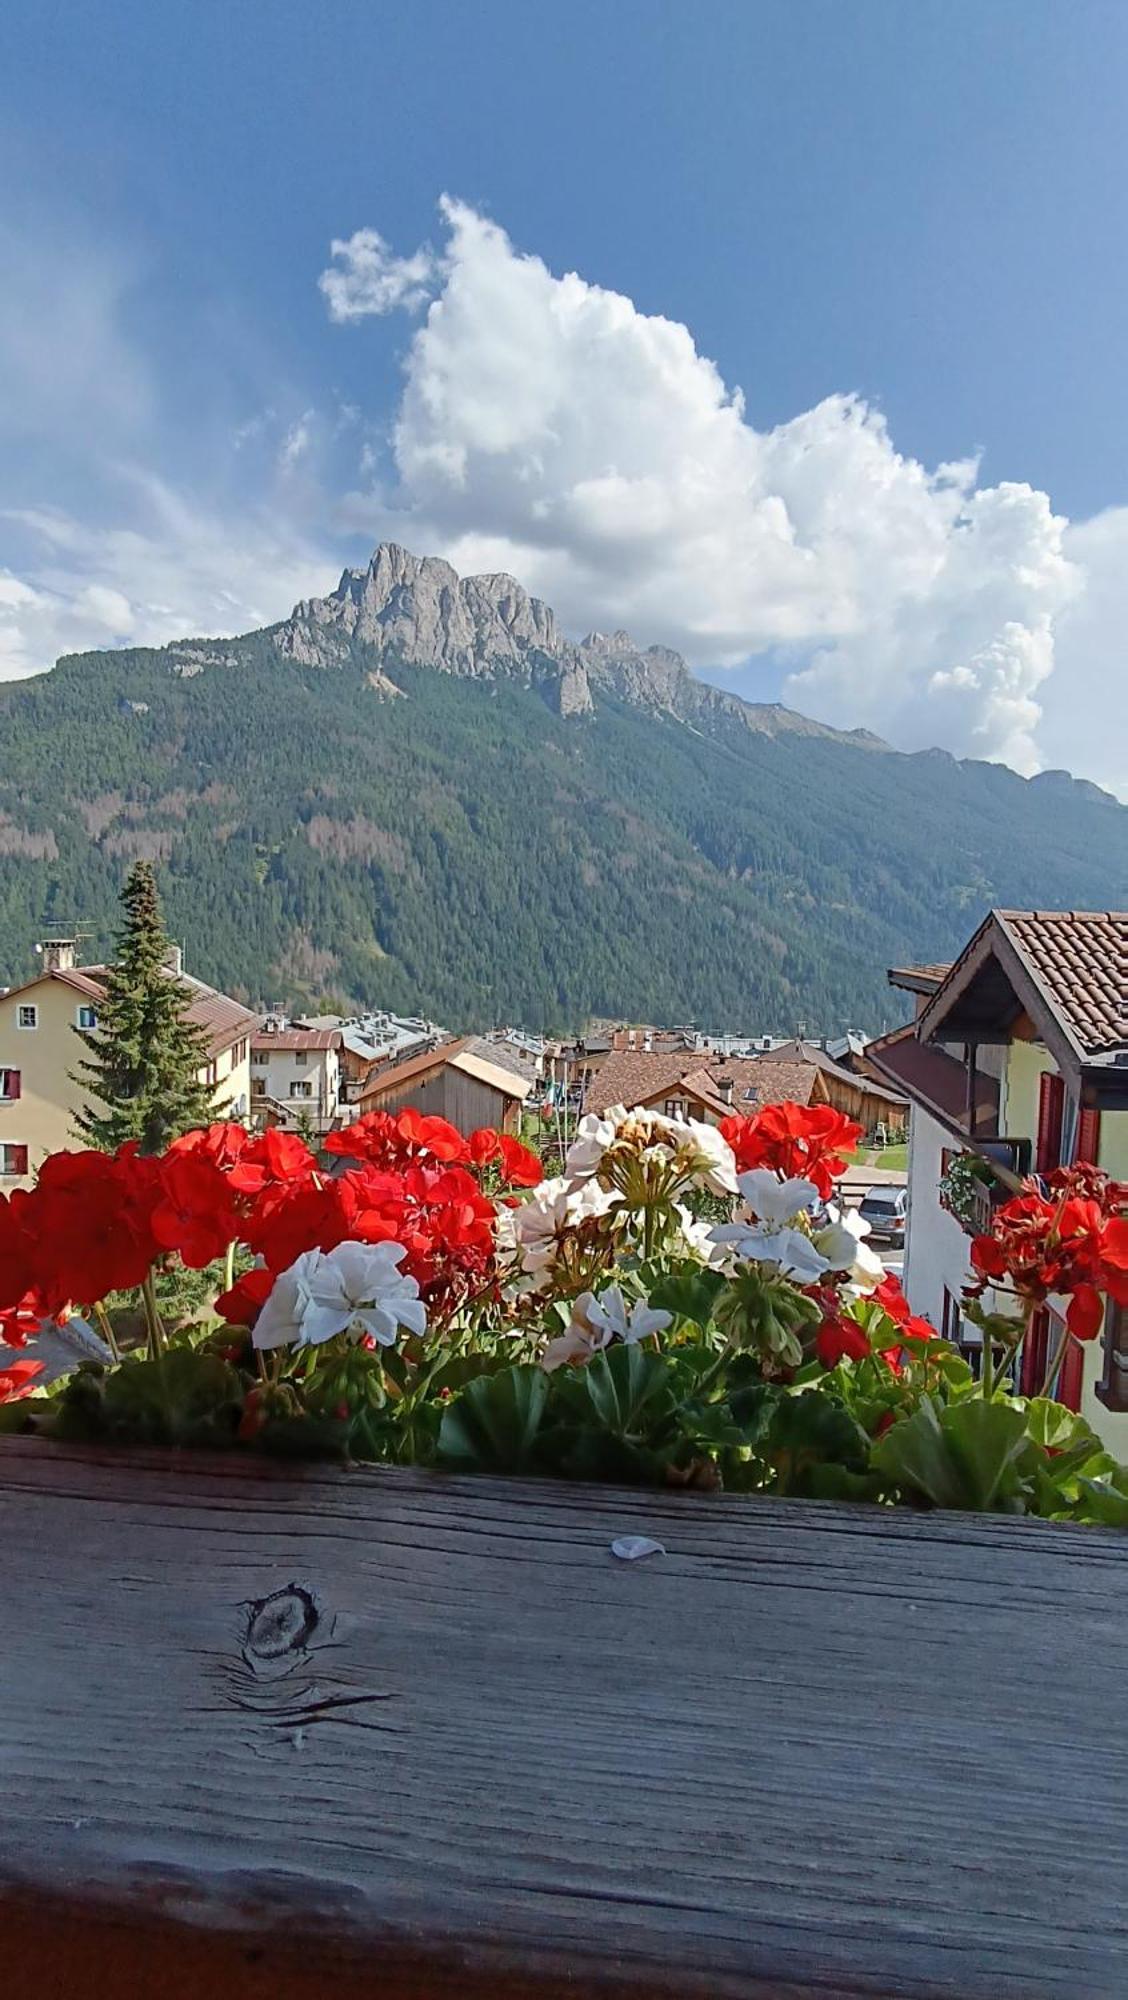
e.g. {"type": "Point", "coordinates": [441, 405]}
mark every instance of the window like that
{"type": "Point", "coordinates": [211, 1075]}
{"type": "Point", "coordinates": [301, 1057]}
{"type": "Point", "coordinates": [258, 1058]}
{"type": "Point", "coordinates": [258, 1086]}
{"type": "Point", "coordinates": [238, 1053]}
{"type": "Point", "coordinates": [301, 1087]}
{"type": "Point", "coordinates": [9, 1085]}
{"type": "Point", "coordinates": [1113, 1385]}
{"type": "Point", "coordinates": [86, 1017]}
{"type": "Point", "coordinates": [27, 1016]}
{"type": "Point", "coordinates": [13, 1160]}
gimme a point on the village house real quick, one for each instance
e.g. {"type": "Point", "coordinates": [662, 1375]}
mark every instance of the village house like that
{"type": "Point", "coordinates": [40, 1048]}
{"type": "Point", "coordinates": [466, 1081]}
{"type": "Point", "coordinates": [296, 1077]}
{"type": "Point", "coordinates": [684, 1083]}
{"type": "Point", "coordinates": [878, 1109]}
{"type": "Point", "coordinates": [1018, 1058]}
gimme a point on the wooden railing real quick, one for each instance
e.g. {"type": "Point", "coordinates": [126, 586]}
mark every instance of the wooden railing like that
{"type": "Point", "coordinates": [273, 1731]}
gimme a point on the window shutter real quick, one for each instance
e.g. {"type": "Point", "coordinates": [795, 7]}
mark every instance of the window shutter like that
{"type": "Point", "coordinates": [1035, 1353]}
{"type": "Point", "coordinates": [13, 1083]}
{"type": "Point", "coordinates": [1051, 1103]}
{"type": "Point", "coordinates": [1088, 1135]}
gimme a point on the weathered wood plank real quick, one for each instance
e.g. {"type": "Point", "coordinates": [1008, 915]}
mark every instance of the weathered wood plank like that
{"type": "Point", "coordinates": [810, 1750]}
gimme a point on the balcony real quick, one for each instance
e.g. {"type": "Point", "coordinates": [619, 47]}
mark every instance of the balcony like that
{"type": "Point", "coordinates": [274, 1733]}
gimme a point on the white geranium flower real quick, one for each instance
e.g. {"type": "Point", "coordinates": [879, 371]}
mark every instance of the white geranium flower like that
{"type": "Point", "coordinates": [794, 1252]}
{"type": "Point", "coordinates": [355, 1288]}
{"type": "Point", "coordinates": [594, 1134]}
{"type": "Point", "coordinates": [714, 1164]}
{"type": "Point", "coordinates": [768, 1237]}
{"type": "Point", "coordinates": [553, 1209]}
{"type": "Point", "coordinates": [621, 1321]}
{"type": "Point", "coordinates": [773, 1201]}
{"type": "Point", "coordinates": [841, 1243]}
{"type": "Point", "coordinates": [596, 1322]}
{"type": "Point", "coordinates": [697, 1239]}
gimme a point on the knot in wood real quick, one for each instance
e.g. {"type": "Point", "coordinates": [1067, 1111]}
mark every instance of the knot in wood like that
{"type": "Point", "coordinates": [280, 1624]}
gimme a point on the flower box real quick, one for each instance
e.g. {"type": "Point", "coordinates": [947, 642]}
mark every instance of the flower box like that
{"type": "Point", "coordinates": [284, 1732]}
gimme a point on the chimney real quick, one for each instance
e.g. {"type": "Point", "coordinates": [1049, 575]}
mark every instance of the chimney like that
{"type": "Point", "coordinates": [58, 954]}
{"type": "Point", "coordinates": [724, 1088]}
{"type": "Point", "coordinates": [174, 959]}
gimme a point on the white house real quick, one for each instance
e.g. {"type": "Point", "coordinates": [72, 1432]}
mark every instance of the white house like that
{"type": "Point", "coordinates": [296, 1075]}
{"type": "Point", "coordinates": [1017, 1062]}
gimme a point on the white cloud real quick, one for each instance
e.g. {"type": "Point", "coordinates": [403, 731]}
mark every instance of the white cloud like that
{"type": "Point", "coordinates": [188, 572]}
{"type": "Point", "coordinates": [549, 427]}
{"type": "Point", "coordinates": [365, 278]}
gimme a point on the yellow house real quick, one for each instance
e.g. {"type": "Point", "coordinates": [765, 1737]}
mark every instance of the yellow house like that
{"type": "Point", "coordinates": [39, 1048]}
{"type": "Point", "coordinates": [1019, 1053]}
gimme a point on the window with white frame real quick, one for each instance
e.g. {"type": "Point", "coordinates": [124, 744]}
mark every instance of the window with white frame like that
{"type": "Point", "coordinates": [27, 1015]}
{"type": "Point", "coordinates": [13, 1161]}
{"type": "Point", "coordinates": [259, 1058]}
{"type": "Point", "coordinates": [301, 1087]}
{"type": "Point", "coordinates": [86, 1016]}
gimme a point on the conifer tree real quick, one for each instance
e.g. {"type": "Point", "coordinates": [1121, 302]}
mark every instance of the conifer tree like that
{"type": "Point", "coordinates": [145, 1055]}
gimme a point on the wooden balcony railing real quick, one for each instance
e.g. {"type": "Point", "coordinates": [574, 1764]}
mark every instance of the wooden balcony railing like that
{"type": "Point", "coordinates": [269, 1732]}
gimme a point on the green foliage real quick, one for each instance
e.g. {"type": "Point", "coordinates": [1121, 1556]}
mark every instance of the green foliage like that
{"type": "Point", "coordinates": [494, 1423]}
{"type": "Point", "coordinates": [145, 1055]}
{"type": "Point", "coordinates": [186, 1396]}
{"type": "Point", "coordinates": [466, 851]}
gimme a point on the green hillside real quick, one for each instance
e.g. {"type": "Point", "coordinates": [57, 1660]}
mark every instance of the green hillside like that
{"type": "Point", "coordinates": [464, 850]}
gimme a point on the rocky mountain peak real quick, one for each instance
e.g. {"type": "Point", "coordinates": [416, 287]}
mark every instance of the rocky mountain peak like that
{"type": "Point", "coordinates": [417, 609]}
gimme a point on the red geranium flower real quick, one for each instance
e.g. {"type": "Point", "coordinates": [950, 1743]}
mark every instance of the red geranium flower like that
{"type": "Point", "coordinates": [224, 1142]}
{"type": "Point", "coordinates": [240, 1306]}
{"type": "Point", "coordinates": [520, 1166]}
{"type": "Point", "coordinates": [273, 1159]}
{"type": "Point", "coordinates": [195, 1213]}
{"type": "Point", "coordinates": [804, 1141]}
{"type": "Point", "coordinates": [17, 1378]}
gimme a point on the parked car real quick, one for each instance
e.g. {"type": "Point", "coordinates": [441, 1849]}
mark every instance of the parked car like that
{"type": "Point", "coordinates": [884, 1209]}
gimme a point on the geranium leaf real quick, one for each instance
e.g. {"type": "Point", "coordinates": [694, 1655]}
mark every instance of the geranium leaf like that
{"type": "Point", "coordinates": [493, 1424]}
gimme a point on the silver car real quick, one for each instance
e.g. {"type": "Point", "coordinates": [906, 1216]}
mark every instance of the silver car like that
{"type": "Point", "coordinates": [884, 1209]}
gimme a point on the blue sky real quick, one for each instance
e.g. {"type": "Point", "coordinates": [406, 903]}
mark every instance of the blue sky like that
{"type": "Point", "coordinates": [921, 207]}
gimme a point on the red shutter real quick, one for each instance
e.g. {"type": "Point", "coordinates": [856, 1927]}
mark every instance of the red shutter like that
{"type": "Point", "coordinates": [1034, 1354]}
{"type": "Point", "coordinates": [1051, 1103]}
{"type": "Point", "coordinates": [1088, 1135]}
{"type": "Point", "coordinates": [1069, 1376]}
{"type": "Point", "coordinates": [13, 1083]}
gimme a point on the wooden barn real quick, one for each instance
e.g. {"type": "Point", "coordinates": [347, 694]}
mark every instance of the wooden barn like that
{"type": "Point", "coordinates": [453, 1081]}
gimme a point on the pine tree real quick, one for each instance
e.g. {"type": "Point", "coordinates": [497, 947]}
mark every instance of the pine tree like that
{"type": "Point", "coordinates": [146, 1055]}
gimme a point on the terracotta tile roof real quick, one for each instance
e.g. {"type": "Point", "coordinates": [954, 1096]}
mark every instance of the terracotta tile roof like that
{"type": "Point", "coordinates": [291, 1039]}
{"type": "Point", "coordinates": [1079, 960]}
{"type": "Point", "coordinates": [629, 1077]}
{"type": "Point", "coordinates": [223, 1020]}
{"type": "Point", "coordinates": [918, 978]}
{"type": "Point", "coordinates": [637, 1078]}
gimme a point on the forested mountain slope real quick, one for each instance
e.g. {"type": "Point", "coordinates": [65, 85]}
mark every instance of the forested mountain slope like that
{"type": "Point", "coordinates": [540, 832]}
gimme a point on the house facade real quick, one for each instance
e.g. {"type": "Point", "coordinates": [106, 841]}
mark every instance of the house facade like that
{"type": "Point", "coordinates": [453, 1081]}
{"type": "Point", "coordinates": [40, 1048]}
{"type": "Point", "coordinates": [296, 1076]}
{"type": "Point", "coordinates": [1018, 1059]}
